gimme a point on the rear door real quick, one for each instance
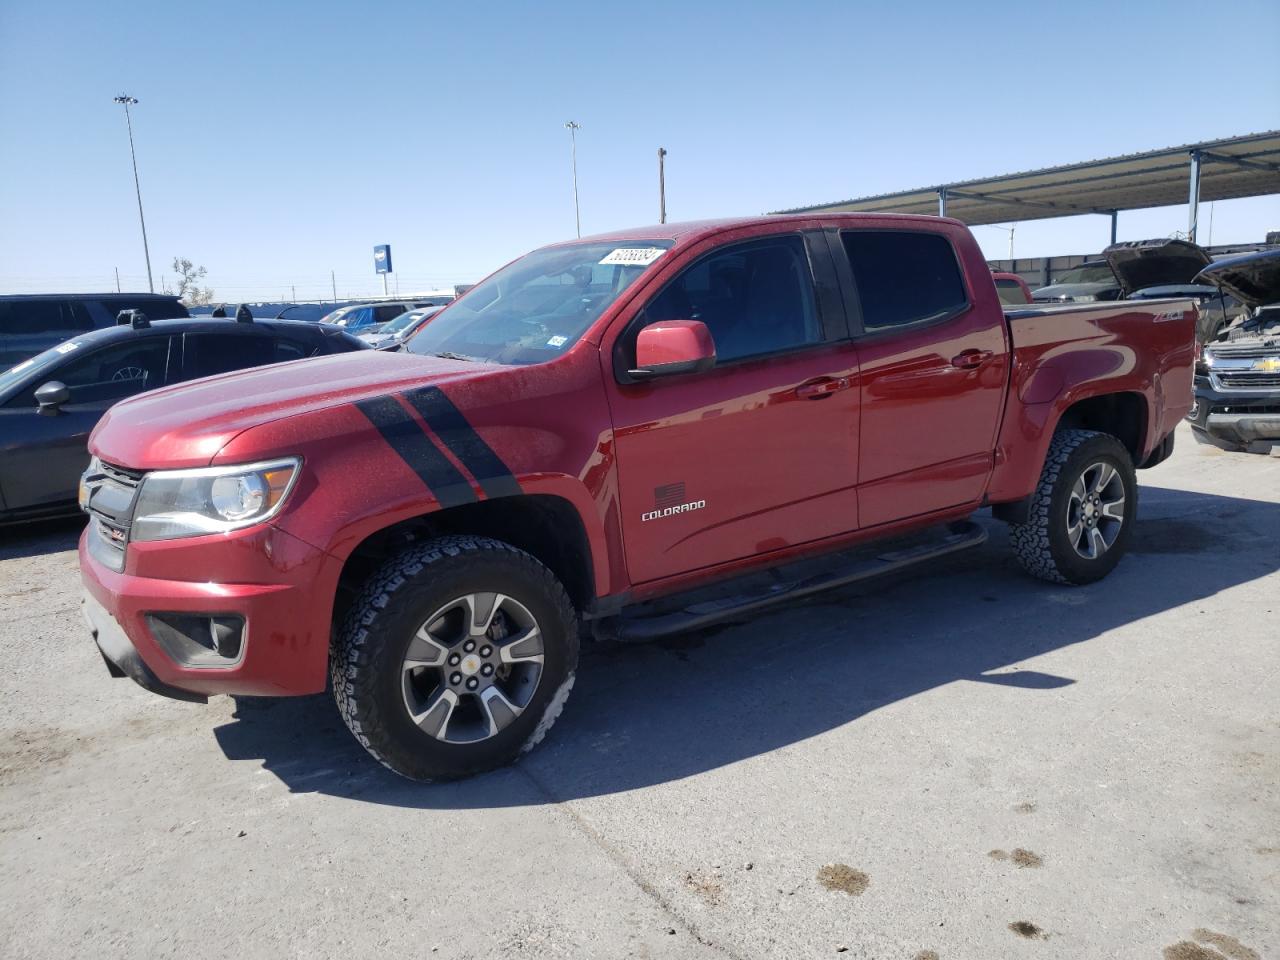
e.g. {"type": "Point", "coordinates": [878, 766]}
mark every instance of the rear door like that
{"type": "Point", "coordinates": [43, 456]}
{"type": "Point", "coordinates": [760, 452]}
{"type": "Point", "coordinates": [934, 360]}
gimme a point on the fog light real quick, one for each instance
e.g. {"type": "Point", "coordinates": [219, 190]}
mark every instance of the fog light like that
{"type": "Point", "coordinates": [199, 639]}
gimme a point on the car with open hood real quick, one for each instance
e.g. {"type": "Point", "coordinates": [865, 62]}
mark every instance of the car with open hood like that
{"type": "Point", "coordinates": [1163, 269]}
{"type": "Point", "coordinates": [1237, 382]}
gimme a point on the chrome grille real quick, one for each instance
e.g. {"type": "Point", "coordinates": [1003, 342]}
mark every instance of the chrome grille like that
{"type": "Point", "coordinates": [1241, 380]}
{"type": "Point", "coordinates": [1251, 351]}
{"type": "Point", "coordinates": [111, 491]}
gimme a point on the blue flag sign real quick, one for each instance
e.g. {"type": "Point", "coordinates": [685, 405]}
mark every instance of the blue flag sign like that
{"type": "Point", "coordinates": [382, 258]}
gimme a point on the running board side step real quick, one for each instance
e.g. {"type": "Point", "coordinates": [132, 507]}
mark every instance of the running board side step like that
{"type": "Point", "coordinates": [792, 582]}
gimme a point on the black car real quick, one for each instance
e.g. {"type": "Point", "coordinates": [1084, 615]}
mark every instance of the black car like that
{"type": "Point", "coordinates": [50, 403]}
{"type": "Point", "coordinates": [30, 323]}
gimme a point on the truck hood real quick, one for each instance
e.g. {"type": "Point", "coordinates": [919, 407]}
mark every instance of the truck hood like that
{"type": "Point", "coordinates": [186, 425]}
{"type": "Point", "coordinates": [1253, 278]}
{"type": "Point", "coordinates": [1150, 263]}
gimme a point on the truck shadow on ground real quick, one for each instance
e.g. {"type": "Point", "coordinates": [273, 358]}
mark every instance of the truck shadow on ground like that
{"type": "Point", "coordinates": [646, 715]}
{"type": "Point", "coordinates": [40, 537]}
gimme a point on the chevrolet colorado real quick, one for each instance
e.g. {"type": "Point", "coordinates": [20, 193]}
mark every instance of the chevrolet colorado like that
{"type": "Point", "coordinates": [621, 436]}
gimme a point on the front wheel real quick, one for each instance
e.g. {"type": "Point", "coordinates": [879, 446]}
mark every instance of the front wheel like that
{"type": "Point", "coordinates": [1082, 511]}
{"type": "Point", "coordinates": [456, 658]}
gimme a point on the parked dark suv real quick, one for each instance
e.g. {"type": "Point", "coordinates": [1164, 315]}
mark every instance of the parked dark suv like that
{"type": "Point", "coordinates": [30, 323]}
{"type": "Point", "coordinates": [49, 403]}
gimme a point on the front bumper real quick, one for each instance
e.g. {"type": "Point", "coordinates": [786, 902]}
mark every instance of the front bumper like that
{"type": "Point", "coordinates": [280, 586]}
{"type": "Point", "coordinates": [1236, 416]}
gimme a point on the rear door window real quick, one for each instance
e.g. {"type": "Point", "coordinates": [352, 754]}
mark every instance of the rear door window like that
{"type": "Point", "coordinates": [208, 354]}
{"type": "Point", "coordinates": [289, 349]}
{"type": "Point", "coordinates": [383, 314]}
{"type": "Point", "coordinates": [904, 277]}
{"type": "Point", "coordinates": [43, 316]}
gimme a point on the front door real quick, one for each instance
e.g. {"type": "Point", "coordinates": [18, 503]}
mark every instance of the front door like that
{"type": "Point", "coordinates": [45, 455]}
{"type": "Point", "coordinates": [760, 452]}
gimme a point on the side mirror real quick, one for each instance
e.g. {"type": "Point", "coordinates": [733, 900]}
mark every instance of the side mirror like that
{"type": "Point", "coordinates": [51, 396]}
{"type": "Point", "coordinates": [674, 346]}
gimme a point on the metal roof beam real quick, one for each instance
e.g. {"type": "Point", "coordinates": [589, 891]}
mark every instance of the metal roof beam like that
{"type": "Point", "coordinates": [1039, 204]}
{"type": "Point", "coordinates": [1240, 161]}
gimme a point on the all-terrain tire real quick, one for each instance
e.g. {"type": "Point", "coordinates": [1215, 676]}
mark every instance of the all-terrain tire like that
{"type": "Point", "coordinates": [1042, 544]}
{"type": "Point", "coordinates": [367, 662]}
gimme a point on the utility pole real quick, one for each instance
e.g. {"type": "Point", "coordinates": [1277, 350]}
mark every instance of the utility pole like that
{"type": "Point", "coordinates": [117, 279]}
{"type": "Point", "coordinates": [334, 281]}
{"type": "Point", "coordinates": [294, 290]}
{"type": "Point", "coordinates": [662, 185]}
{"type": "Point", "coordinates": [573, 129]}
{"type": "Point", "coordinates": [126, 101]}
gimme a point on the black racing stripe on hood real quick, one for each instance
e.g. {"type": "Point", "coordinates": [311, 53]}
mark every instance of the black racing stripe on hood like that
{"type": "Point", "coordinates": [456, 433]}
{"type": "Point", "coordinates": [407, 438]}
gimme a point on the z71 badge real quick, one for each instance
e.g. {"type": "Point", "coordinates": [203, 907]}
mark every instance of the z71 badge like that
{"type": "Point", "coordinates": [668, 500]}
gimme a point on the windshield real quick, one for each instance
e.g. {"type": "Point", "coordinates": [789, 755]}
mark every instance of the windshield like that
{"type": "Point", "coordinates": [406, 320]}
{"type": "Point", "coordinates": [538, 307]}
{"type": "Point", "coordinates": [1087, 274]}
{"type": "Point", "coordinates": [35, 366]}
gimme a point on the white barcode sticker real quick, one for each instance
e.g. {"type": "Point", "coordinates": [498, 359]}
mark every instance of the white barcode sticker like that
{"type": "Point", "coordinates": [634, 256]}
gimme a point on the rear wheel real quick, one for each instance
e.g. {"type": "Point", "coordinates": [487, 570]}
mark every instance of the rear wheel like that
{"type": "Point", "coordinates": [1081, 514]}
{"type": "Point", "coordinates": [456, 658]}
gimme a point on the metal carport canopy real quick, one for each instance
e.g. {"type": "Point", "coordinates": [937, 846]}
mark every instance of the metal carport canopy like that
{"type": "Point", "coordinates": [1245, 166]}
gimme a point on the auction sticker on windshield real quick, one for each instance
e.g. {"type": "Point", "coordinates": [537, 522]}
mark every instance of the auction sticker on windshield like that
{"type": "Point", "coordinates": [634, 256]}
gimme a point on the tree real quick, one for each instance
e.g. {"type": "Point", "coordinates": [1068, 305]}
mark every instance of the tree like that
{"type": "Point", "coordinates": [189, 276]}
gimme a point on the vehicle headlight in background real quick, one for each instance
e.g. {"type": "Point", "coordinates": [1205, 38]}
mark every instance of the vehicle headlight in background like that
{"type": "Point", "coordinates": [192, 503]}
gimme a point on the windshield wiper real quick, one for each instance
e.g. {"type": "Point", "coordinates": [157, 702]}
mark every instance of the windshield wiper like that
{"type": "Point", "coordinates": [446, 355]}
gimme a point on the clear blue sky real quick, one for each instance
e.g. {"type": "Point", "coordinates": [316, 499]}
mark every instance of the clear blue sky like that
{"type": "Point", "coordinates": [278, 141]}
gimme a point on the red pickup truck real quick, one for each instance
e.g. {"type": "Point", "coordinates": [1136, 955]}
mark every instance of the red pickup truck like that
{"type": "Point", "coordinates": [621, 436]}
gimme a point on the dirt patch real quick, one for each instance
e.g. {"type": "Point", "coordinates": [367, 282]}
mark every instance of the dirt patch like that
{"type": "Point", "coordinates": [1227, 948]}
{"type": "Point", "coordinates": [927, 955]}
{"type": "Point", "coordinates": [22, 593]}
{"type": "Point", "coordinates": [1024, 808]}
{"type": "Point", "coordinates": [705, 885]}
{"type": "Point", "coordinates": [1019, 857]}
{"type": "Point", "coordinates": [31, 750]}
{"type": "Point", "coordinates": [842, 877]}
{"type": "Point", "coordinates": [1230, 946]}
{"type": "Point", "coordinates": [1028, 930]}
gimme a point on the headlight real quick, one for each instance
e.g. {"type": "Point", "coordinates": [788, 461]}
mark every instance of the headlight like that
{"type": "Point", "coordinates": [192, 503]}
{"type": "Point", "coordinates": [1085, 298]}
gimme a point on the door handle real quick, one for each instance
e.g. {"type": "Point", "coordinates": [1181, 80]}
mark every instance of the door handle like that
{"type": "Point", "coordinates": [971, 359]}
{"type": "Point", "coordinates": [818, 389]}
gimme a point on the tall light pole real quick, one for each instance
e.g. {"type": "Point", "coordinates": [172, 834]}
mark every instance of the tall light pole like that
{"type": "Point", "coordinates": [662, 185]}
{"type": "Point", "coordinates": [573, 129]}
{"type": "Point", "coordinates": [126, 101]}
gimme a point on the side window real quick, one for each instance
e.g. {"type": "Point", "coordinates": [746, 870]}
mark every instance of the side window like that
{"type": "Point", "coordinates": [206, 354]}
{"type": "Point", "coordinates": [292, 350]}
{"type": "Point", "coordinates": [383, 314]}
{"type": "Point", "coordinates": [43, 316]}
{"type": "Point", "coordinates": [111, 373]}
{"type": "Point", "coordinates": [903, 277]}
{"type": "Point", "coordinates": [755, 298]}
